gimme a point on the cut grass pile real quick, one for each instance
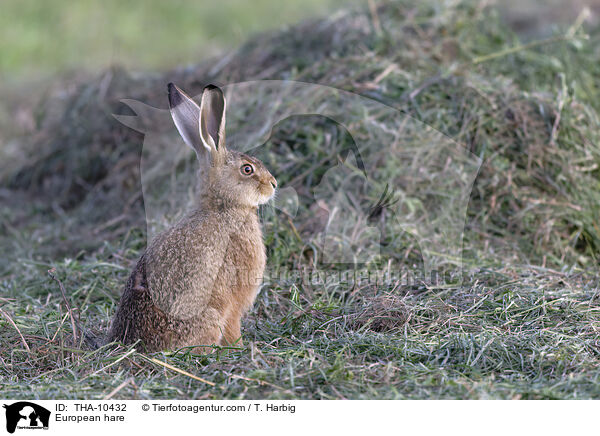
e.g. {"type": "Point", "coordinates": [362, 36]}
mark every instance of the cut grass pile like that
{"type": "Point", "coordinates": [524, 322]}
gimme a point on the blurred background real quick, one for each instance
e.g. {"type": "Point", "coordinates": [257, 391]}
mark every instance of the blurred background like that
{"type": "Point", "coordinates": [41, 38]}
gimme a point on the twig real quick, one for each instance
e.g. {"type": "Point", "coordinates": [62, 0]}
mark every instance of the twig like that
{"type": "Point", "coordinates": [16, 328]}
{"type": "Point", "coordinates": [64, 295]}
{"type": "Point", "coordinates": [59, 327]}
{"type": "Point", "coordinates": [293, 227]}
{"type": "Point", "coordinates": [375, 17]}
{"type": "Point", "coordinates": [180, 371]}
{"type": "Point", "coordinates": [130, 352]}
{"type": "Point", "coordinates": [518, 48]}
{"type": "Point", "coordinates": [89, 339]}
{"type": "Point", "coordinates": [261, 382]}
{"type": "Point", "coordinates": [118, 388]}
{"type": "Point", "coordinates": [424, 85]}
{"type": "Point", "coordinates": [386, 72]}
{"type": "Point", "coordinates": [583, 15]}
{"type": "Point", "coordinates": [562, 96]}
{"type": "Point", "coordinates": [109, 223]}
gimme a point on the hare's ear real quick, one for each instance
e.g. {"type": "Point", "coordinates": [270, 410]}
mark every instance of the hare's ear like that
{"type": "Point", "coordinates": [212, 118]}
{"type": "Point", "coordinates": [186, 116]}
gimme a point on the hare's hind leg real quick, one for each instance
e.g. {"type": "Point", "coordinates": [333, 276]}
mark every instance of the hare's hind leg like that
{"type": "Point", "coordinates": [205, 332]}
{"type": "Point", "coordinates": [232, 334]}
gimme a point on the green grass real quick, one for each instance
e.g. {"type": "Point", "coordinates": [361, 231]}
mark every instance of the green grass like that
{"type": "Point", "coordinates": [41, 38]}
{"type": "Point", "coordinates": [507, 334]}
{"type": "Point", "coordinates": [522, 324]}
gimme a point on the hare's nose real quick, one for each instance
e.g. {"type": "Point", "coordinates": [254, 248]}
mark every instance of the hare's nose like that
{"type": "Point", "coordinates": [273, 182]}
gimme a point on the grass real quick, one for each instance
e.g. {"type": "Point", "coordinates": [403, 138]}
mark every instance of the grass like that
{"type": "Point", "coordinates": [43, 38]}
{"type": "Point", "coordinates": [509, 334]}
{"type": "Point", "coordinates": [522, 324]}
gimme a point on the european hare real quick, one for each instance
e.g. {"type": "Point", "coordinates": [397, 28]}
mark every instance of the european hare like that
{"type": "Point", "coordinates": [196, 280]}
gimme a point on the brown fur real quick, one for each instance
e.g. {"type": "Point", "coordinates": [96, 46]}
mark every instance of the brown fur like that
{"type": "Point", "coordinates": [198, 278]}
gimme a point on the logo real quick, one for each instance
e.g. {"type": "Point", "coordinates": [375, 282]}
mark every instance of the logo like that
{"type": "Point", "coordinates": [26, 415]}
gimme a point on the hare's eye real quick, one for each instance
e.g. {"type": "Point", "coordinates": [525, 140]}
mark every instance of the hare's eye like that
{"type": "Point", "coordinates": [247, 169]}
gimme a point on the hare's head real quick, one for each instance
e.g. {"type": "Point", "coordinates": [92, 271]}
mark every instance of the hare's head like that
{"type": "Point", "coordinates": [228, 178]}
